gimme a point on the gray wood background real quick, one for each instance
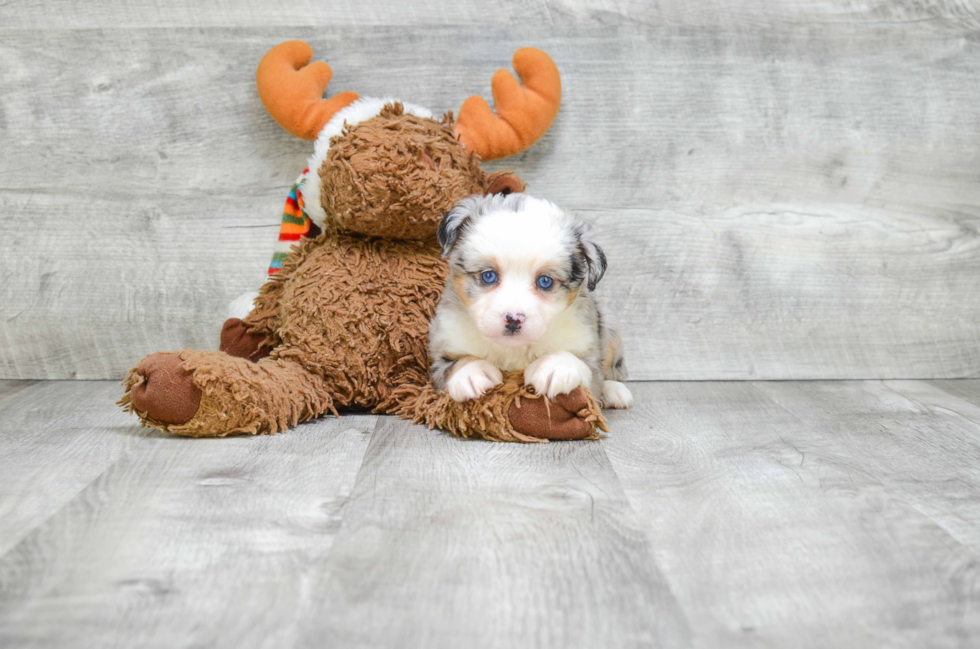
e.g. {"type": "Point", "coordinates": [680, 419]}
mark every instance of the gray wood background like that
{"type": "Point", "coordinates": [786, 189]}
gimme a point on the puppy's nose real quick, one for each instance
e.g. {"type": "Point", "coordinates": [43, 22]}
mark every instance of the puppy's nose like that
{"type": "Point", "coordinates": [514, 322]}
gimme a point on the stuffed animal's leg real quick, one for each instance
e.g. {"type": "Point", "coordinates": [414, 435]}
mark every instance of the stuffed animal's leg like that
{"type": "Point", "coordinates": [212, 394]}
{"type": "Point", "coordinates": [508, 413]}
{"type": "Point", "coordinates": [238, 340]}
{"type": "Point", "coordinates": [252, 334]}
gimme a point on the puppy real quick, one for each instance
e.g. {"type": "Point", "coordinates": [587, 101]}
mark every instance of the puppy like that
{"type": "Point", "coordinates": [519, 297]}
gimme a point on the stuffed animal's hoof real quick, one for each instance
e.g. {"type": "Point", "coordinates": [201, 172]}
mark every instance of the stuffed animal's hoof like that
{"type": "Point", "coordinates": [563, 417]}
{"type": "Point", "coordinates": [164, 391]}
{"type": "Point", "coordinates": [237, 340]}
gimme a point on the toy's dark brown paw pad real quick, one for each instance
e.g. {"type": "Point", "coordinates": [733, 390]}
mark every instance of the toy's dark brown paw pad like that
{"type": "Point", "coordinates": [237, 340]}
{"type": "Point", "coordinates": [166, 392]}
{"type": "Point", "coordinates": [556, 418]}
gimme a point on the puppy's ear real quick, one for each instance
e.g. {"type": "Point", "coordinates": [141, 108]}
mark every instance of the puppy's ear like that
{"type": "Point", "coordinates": [592, 255]}
{"type": "Point", "coordinates": [453, 224]}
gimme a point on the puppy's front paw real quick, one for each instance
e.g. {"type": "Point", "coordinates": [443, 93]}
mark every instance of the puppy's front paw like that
{"type": "Point", "coordinates": [557, 373]}
{"type": "Point", "coordinates": [616, 395]}
{"type": "Point", "coordinates": [473, 380]}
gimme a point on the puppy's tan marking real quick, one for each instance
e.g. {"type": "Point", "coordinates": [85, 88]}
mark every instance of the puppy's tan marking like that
{"type": "Point", "coordinates": [459, 283]}
{"type": "Point", "coordinates": [610, 357]}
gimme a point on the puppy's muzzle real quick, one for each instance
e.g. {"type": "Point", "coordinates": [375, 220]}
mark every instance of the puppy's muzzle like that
{"type": "Point", "coordinates": [514, 322]}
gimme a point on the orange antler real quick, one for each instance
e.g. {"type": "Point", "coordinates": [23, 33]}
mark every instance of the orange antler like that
{"type": "Point", "coordinates": [292, 91]}
{"type": "Point", "coordinates": [524, 112]}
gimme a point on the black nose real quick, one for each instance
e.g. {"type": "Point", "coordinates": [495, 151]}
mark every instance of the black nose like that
{"type": "Point", "coordinates": [514, 322]}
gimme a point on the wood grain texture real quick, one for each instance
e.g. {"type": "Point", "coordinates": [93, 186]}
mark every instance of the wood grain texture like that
{"type": "Point", "coordinates": [922, 443]}
{"type": "Point", "coordinates": [59, 14]}
{"type": "Point", "coordinates": [124, 537]}
{"type": "Point", "coordinates": [966, 390]}
{"type": "Point", "coordinates": [807, 514]}
{"type": "Point", "coordinates": [270, 542]}
{"type": "Point", "coordinates": [732, 514]}
{"type": "Point", "coordinates": [47, 458]}
{"type": "Point", "coordinates": [780, 203]}
{"type": "Point", "coordinates": [8, 388]}
{"type": "Point", "coordinates": [450, 543]}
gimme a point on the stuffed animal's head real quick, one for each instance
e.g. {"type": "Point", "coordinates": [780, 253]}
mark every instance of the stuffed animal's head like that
{"type": "Point", "coordinates": [396, 174]}
{"type": "Point", "coordinates": [386, 168]}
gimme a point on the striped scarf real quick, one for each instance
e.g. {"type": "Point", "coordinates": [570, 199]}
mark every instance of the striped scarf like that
{"type": "Point", "coordinates": [296, 224]}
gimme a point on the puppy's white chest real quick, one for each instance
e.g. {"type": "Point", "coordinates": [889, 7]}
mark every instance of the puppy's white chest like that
{"type": "Point", "coordinates": [568, 334]}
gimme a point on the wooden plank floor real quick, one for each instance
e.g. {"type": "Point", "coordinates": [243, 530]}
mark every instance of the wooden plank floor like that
{"type": "Point", "coordinates": [819, 514]}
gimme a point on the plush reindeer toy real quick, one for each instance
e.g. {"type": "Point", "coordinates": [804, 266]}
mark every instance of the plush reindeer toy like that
{"type": "Point", "coordinates": [342, 321]}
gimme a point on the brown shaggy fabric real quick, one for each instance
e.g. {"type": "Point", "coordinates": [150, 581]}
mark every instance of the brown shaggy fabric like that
{"type": "Point", "coordinates": [347, 316]}
{"type": "Point", "coordinates": [356, 311]}
{"type": "Point", "coordinates": [490, 416]}
{"type": "Point", "coordinates": [396, 174]}
{"type": "Point", "coordinates": [239, 396]}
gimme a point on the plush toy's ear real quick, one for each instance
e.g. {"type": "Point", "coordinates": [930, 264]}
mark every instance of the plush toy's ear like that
{"type": "Point", "coordinates": [503, 182]}
{"type": "Point", "coordinates": [454, 222]}
{"type": "Point", "coordinates": [292, 91]}
{"type": "Point", "coordinates": [523, 112]}
{"type": "Point", "coordinates": [591, 254]}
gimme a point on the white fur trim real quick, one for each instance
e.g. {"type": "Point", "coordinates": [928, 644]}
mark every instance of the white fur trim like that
{"type": "Point", "coordinates": [241, 306]}
{"type": "Point", "coordinates": [363, 109]}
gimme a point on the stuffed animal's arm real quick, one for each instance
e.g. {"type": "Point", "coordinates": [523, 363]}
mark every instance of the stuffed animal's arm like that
{"type": "Point", "coordinates": [249, 331]}
{"type": "Point", "coordinates": [294, 225]}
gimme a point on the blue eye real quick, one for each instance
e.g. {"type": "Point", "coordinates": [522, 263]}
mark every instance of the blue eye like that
{"type": "Point", "coordinates": [545, 282]}
{"type": "Point", "coordinates": [489, 277]}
